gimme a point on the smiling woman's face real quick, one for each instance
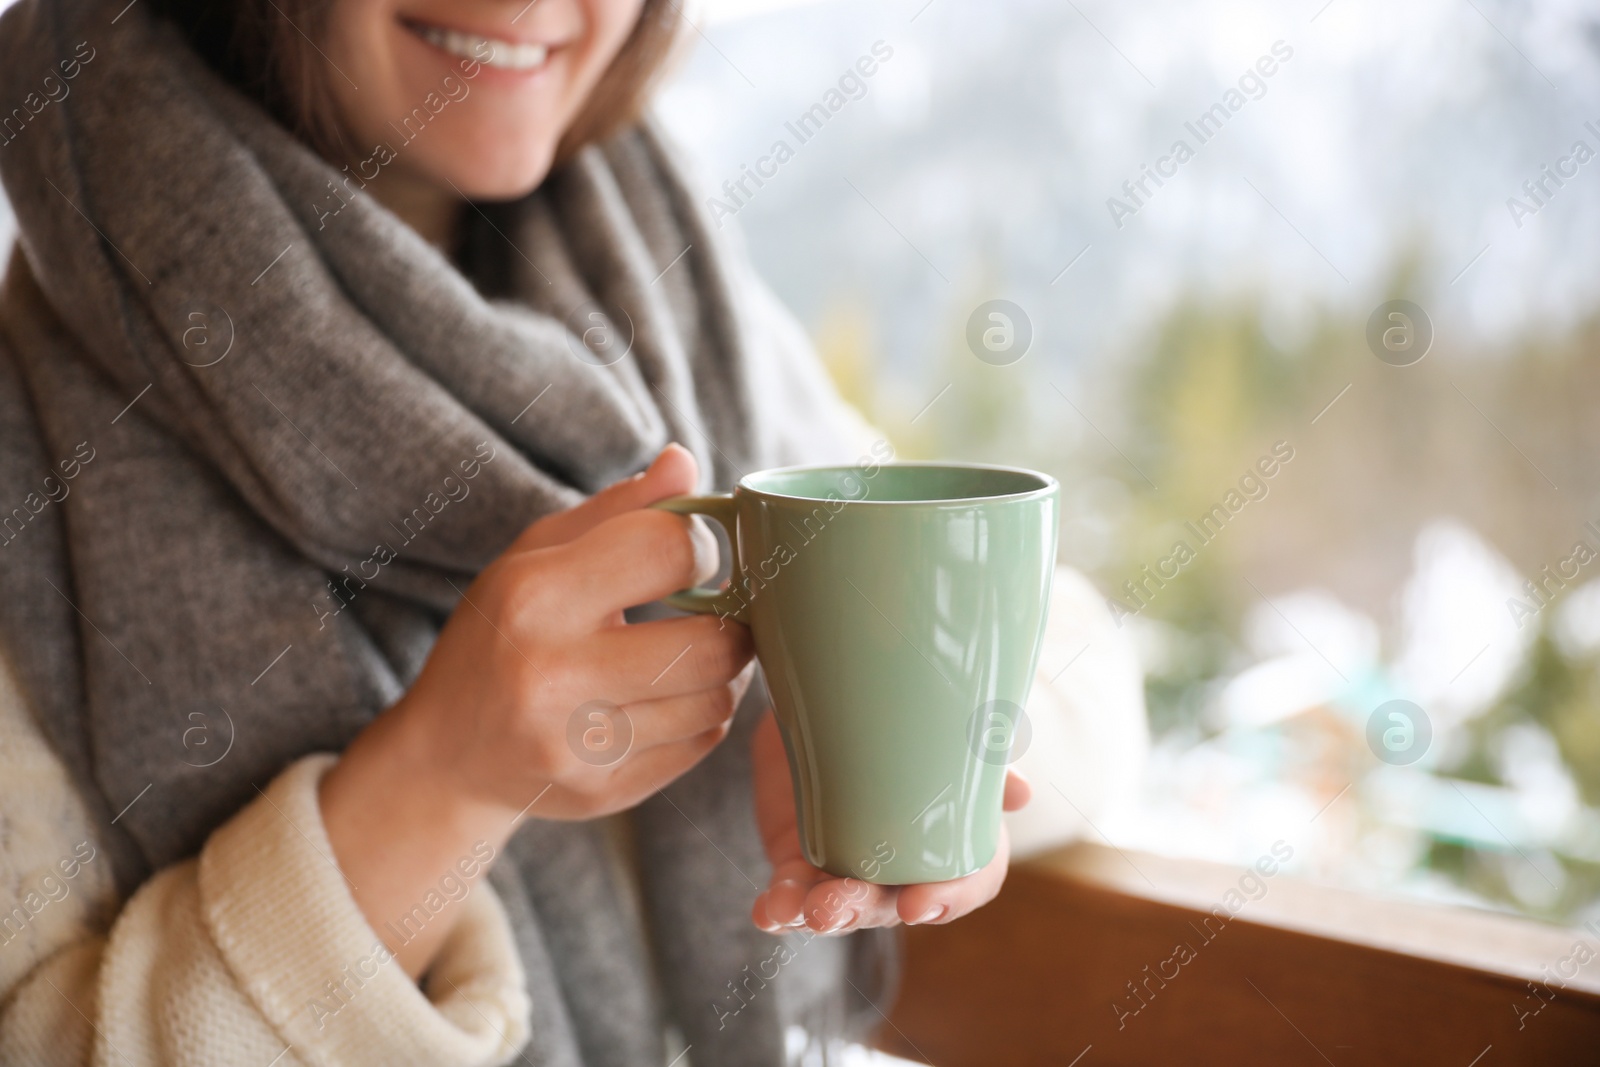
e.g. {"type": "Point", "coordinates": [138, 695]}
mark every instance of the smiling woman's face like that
{"type": "Point", "coordinates": [472, 95]}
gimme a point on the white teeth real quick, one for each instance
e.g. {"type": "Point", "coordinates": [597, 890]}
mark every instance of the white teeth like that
{"type": "Point", "coordinates": [486, 50]}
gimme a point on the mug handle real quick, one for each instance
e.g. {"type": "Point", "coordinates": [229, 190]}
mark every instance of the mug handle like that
{"type": "Point", "coordinates": [722, 603]}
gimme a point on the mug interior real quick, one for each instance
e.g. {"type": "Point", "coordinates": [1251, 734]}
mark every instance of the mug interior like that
{"type": "Point", "coordinates": [899, 483]}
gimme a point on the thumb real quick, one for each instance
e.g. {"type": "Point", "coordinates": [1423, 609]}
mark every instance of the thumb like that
{"type": "Point", "coordinates": [673, 472]}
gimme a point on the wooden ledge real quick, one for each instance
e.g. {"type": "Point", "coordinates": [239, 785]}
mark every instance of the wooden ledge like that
{"type": "Point", "coordinates": [1128, 958]}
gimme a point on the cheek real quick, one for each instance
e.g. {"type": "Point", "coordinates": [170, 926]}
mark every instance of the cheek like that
{"type": "Point", "coordinates": [365, 73]}
{"type": "Point", "coordinates": [607, 25]}
{"type": "Point", "coordinates": [611, 21]}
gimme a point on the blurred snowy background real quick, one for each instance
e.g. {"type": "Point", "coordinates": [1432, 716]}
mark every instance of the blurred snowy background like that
{"type": "Point", "coordinates": [1226, 313]}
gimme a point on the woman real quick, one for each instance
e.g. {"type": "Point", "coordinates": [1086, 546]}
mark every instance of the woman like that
{"type": "Point", "coordinates": [331, 331]}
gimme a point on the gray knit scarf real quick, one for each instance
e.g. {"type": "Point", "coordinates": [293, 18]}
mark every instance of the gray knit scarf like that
{"type": "Point", "coordinates": [255, 434]}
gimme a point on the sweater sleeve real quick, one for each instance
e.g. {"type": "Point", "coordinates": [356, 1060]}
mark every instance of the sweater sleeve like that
{"type": "Point", "coordinates": [254, 953]}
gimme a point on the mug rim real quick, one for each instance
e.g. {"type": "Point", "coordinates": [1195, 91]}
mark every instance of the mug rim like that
{"type": "Point", "coordinates": [1048, 484]}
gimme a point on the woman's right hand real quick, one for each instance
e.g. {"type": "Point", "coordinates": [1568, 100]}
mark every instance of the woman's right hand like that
{"type": "Point", "coordinates": [539, 640]}
{"type": "Point", "coordinates": [483, 735]}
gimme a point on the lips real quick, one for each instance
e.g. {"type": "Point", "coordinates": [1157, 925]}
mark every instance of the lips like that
{"type": "Point", "coordinates": [490, 51]}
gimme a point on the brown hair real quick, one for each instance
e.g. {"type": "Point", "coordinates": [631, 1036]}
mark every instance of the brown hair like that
{"type": "Point", "coordinates": [265, 47]}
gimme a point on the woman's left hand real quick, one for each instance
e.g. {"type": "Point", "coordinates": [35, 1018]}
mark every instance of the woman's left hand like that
{"type": "Point", "coordinates": [801, 894]}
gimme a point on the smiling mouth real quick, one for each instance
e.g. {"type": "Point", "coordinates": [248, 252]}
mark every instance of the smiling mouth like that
{"type": "Point", "coordinates": [490, 51]}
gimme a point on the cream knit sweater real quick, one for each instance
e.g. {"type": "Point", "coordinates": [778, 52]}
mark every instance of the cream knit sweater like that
{"type": "Point", "coordinates": [253, 953]}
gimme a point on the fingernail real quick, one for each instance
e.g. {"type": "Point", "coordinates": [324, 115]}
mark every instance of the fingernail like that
{"type": "Point", "coordinates": [933, 914]}
{"type": "Point", "coordinates": [758, 915]}
{"type": "Point", "coordinates": [839, 921]}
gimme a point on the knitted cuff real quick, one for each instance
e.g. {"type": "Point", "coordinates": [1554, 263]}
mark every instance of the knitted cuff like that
{"type": "Point", "coordinates": [281, 914]}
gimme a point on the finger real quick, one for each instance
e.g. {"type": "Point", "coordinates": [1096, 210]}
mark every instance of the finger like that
{"type": "Point", "coordinates": [781, 905]}
{"type": "Point", "coordinates": [664, 658]}
{"type": "Point", "coordinates": [660, 722]}
{"type": "Point", "coordinates": [940, 902]}
{"type": "Point", "coordinates": [633, 558]}
{"type": "Point", "coordinates": [774, 795]}
{"type": "Point", "coordinates": [784, 900]}
{"type": "Point", "coordinates": [839, 905]}
{"type": "Point", "coordinates": [641, 773]}
{"type": "Point", "coordinates": [673, 472]}
{"type": "Point", "coordinates": [1018, 791]}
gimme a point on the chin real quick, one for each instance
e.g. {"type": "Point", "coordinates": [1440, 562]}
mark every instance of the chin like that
{"type": "Point", "coordinates": [497, 173]}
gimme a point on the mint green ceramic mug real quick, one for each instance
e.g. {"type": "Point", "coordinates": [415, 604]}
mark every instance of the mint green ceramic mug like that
{"type": "Point", "coordinates": [897, 612]}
